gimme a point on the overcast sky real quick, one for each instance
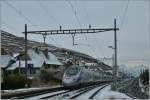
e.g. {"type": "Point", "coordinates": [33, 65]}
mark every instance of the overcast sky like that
{"type": "Point", "coordinates": [47, 14]}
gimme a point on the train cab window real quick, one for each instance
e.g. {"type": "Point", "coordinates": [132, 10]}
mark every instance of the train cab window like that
{"type": "Point", "coordinates": [72, 71]}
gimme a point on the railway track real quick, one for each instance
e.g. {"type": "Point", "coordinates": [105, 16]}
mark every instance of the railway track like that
{"type": "Point", "coordinates": [72, 94]}
{"type": "Point", "coordinates": [63, 94]}
{"type": "Point", "coordinates": [96, 92]}
{"type": "Point", "coordinates": [30, 93]}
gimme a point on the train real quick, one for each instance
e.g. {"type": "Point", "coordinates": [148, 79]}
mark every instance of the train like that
{"type": "Point", "coordinates": [77, 75]}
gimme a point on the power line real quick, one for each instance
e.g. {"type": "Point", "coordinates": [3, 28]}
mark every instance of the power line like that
{"type": "Point", "coordinates": [50, 16]}
{"type": "Point", "coordinates": [9, 26]}
{"type": "Point", "coordinates": [47, 12]}
{"type": "Point", "coordinates": [124, 14]}
{"type": "Point", "coordinates": [75, 13]}
{"type": "Point", "coordinates": [86, 13]}
{"type": "Point", "coordinates": [91, 47]}
{"type": "Point", "coordinates": [21, 13]}
{"type": "Point", "coordinates": [88, 18]}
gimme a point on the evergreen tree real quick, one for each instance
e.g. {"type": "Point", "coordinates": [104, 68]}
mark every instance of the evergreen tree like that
{"type": "Point", "coordinates": [145, 76]}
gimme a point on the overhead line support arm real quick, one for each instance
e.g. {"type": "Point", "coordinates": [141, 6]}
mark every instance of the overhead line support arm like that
{"type": "Point", "coordinates": [71, 31]}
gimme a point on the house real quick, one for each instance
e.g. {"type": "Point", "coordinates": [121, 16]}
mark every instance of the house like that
{"type": "Point", "coordinates": [37, 60]}
{"type": "Point", "coordinates": [53, 66]}
{"type": "Point", "coordinates": [4, 59]}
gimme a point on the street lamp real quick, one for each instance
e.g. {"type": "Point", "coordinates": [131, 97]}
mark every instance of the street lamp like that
{"type": "Point", "coordinates": [113, 54]}
{"type": "Point", "coordinates": [114, 69]}
{"type": "Point", "coordinates": [111, 47]}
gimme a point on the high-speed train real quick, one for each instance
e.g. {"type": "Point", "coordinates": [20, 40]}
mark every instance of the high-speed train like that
{"type": "Point", "coordinates": [76, 76]}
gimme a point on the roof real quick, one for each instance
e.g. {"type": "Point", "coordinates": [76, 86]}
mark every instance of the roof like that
{"type": "Point", "coordinates": [15, 54]}
{"type": "Point", "coordinates": [15, 65]}
{"type": "Point", "coordinates": [52, 59]}
{"type": "Point", "coordinates": [4, 59]}
{"type": "Point", "coordinates": [37, 59]}
{"type": "Point", "coordinates": [104, 66]}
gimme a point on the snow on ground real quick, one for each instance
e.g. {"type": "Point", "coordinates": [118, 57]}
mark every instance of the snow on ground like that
{"type": "Point", "coordinates": [45, 95]}
{"type": "Point", "coordinates": [27, 89]}
{"type": "Point", "coordinates": [141, 86]}
{"type": "Point", "coordinates": [107, 93]}
{"type": "Point", "coordinates": [86, 95]}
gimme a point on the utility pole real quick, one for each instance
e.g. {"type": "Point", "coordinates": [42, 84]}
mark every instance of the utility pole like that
{"type": "Point", "coordinates": [115, 66]}
{"type": "Point", "coordinates": [44, 37]}
{"type": "Point", "coordinates": [26, 59]}
{"type": "Point", "coordinates": [19, 65]}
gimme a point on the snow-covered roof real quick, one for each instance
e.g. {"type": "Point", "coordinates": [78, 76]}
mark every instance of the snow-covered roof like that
{"type": "Point", "coordinates": [38, 59]}
{"type": "Point", "coordinates": [4, 59]}
{"type": "Point", "coordinates": [16, 65]}
{"type": "Point", "coordinates": [52, 59]}
{"type": "Point", "coordinates": [110, 71]}
{"type": "Point", "coordinates": [15, 54]}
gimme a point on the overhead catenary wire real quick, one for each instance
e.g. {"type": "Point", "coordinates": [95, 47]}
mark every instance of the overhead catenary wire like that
{"type": "Point", "coordinates": [86, 14]}
{"type": "Point", "coordinates": [89, 45]}
{"type": "Point", "coordinates": [21, 14]}
{"type": "Point", "coordinates": [50, 16]}
{"type": "Point", "coordinates": [124, 14]}
{"type": "Point", "coordinates": [47, 12]}
{"type": "Point", "coordinates": [75, 13]}
{"type": "Point", "coordinates": [78, 21]}
{"type": "Point", "coordinates": [9, 26]}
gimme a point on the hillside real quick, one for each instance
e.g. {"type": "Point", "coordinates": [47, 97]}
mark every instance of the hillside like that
{"type": "Point", "coordinates": [11, 43]}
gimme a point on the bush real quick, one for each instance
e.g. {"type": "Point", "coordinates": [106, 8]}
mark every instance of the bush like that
{"type": "Point", "coordinates": [48, 78]}
{"type": "Point", "coordinates": [3, 51]}
{"type": "Point", "coordinates": [45, 77]}
{"type": "Point", "coordinates": [13, 82]}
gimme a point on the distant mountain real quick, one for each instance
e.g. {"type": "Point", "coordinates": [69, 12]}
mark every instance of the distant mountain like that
{"type": "Point", "coordinates": [135, 71]}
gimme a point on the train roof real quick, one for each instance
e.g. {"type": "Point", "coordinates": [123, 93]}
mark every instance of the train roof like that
{"type": "Point", "coordinates": [103, 66]}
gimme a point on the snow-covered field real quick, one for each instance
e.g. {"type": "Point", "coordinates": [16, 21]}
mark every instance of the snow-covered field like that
{"type": "Point", "coordinates": [107, 93]}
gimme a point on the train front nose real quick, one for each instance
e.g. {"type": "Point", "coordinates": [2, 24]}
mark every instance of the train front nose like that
{"type": "Point", "coordinates": [69, 81]}
{"type": "Point", "coordinates": [70, 76]}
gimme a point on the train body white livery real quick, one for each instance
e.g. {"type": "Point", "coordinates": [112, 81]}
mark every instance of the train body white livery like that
{"type": "Point", "coordinates": [76, 75]}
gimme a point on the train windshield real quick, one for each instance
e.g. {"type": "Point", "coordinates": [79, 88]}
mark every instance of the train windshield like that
{"type": "Point", "coordinates": [72, 71]}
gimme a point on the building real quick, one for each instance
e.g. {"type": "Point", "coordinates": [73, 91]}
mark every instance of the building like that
{"type": "Point", "coordinates": [4, 59]}
{"type": "Point", "coordinates": [37, 60]}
